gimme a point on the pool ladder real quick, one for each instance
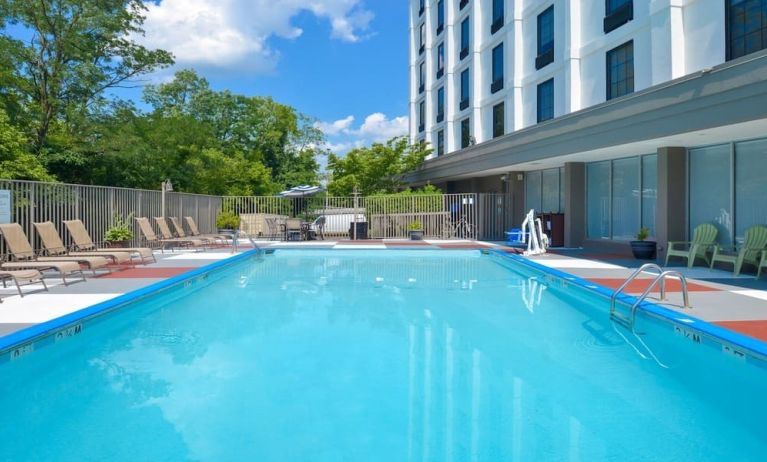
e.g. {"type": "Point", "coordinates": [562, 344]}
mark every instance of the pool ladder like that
{"type": "Point", "coordinates": [628, 320]}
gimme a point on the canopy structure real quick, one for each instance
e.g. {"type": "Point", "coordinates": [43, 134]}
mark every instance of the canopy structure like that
{"type": "Point", "coordinates": [301, 191]}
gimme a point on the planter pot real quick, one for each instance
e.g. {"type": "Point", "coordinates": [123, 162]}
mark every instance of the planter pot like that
{"type": "Point", "coordinates": [644, 250]}
{"type": "Point", "coordinates": [415, 235]}
{"type": "Point", "coordinates": [225, 231]}
{"type": "Point", "coordinates": [118, 244]}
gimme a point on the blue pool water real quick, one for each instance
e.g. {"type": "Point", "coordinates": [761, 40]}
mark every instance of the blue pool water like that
{"type": "Point", "coordinates": [382, 355]}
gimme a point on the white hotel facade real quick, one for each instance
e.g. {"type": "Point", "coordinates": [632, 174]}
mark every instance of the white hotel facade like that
{"type": "Point", "coordinates": [617, 113]}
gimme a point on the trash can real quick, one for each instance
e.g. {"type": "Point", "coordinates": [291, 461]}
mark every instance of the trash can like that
{"type": "Point", "coordinates": [554, 227]}
{"type": "Point", "coordinates": [362, 230]}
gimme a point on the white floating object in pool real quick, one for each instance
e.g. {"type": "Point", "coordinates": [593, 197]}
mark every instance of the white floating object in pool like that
{"type": "Point", "coordinates": [427, 313]}
{"type": "Point", "coordinates": [379, 281]}
{"type": "Point", "coordinates": [411, 280]}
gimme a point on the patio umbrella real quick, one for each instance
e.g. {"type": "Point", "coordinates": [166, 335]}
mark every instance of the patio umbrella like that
{"type": "Point", "coordinates": [301, 192]}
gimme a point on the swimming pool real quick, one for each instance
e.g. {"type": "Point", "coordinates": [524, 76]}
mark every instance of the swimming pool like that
{"type": "Point", "coordinates": [379, 355]}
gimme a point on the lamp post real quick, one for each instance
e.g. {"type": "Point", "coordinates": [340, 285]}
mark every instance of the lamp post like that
{"type": "Point", "coordinates": [166, 186]}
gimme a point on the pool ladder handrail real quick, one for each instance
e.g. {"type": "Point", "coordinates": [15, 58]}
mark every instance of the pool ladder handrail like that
{"type": "Point", "coordinates": [660, 278]}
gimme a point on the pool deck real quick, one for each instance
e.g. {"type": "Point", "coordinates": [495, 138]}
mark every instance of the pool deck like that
{"type": "Point", "coordinates": [736, 303]}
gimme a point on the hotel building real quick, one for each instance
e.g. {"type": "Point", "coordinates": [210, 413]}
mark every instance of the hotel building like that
{"type": "Point", "coordinates": [620, 114]}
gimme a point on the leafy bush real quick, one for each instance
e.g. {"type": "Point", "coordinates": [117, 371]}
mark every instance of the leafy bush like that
{"type": "Point", "coordinates": [119, 231]}
{"type": "Point", "coordinates": [643, 234]}
{"type": "Point", "coordinates": [227, 220]}
{"type": "Point", "coordinates": [415, 226]}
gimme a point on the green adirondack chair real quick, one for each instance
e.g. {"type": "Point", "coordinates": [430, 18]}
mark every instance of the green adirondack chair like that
{"type": "Point", "coordinates": [703, 238]}
{"type": "Point", "coordinates": [749, 252]}
{"type": "Point", "coordinates": [762, 264]}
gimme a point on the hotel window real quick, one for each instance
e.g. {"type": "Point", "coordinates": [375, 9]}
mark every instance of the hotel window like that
{"type": "Point", "coordinates": [545, 101]}
{"type": "Point", "coordinates": [421, 116]}
{"type": "Point", "coordinates": [422, 39]}
{"type": "Point", "coordinates": [498, 115]}
{"type": "Point", "coordinates": [464, 90]}
{"type": "Point", "coordinates": [440, 16]}
{"type": "Point", "coordinates": [617, 13]}
{"type": "Point", "coordinates": [421, 77]}
{"type": "Point", "coordinates": [441, 60]}
{"type": "Point", "coordinates": [620, 70]}
{"type": "Point", "coordinates": [746, 24]}
{"type": "Point", "coordinates": [465, 132]}
{"type": "Point", "coordinates": [421, 7]}
{"type": "Point", "coordinates": [497, 69]}
{"type": "Point", "coordinates": [440, 104]}
{"type": "Point", "coordinates": [497, 16]}
{"type": "Point", "coordinates": [440, 143]}
{"type": "Point", "coordinates": [614, 209]}
{"type": "Point", "coordinates": [464, 38]}
{"type": "Point", "coordinates": [545, 38]}
{"type": "Point", "coordinates": [543, 190]}
{"type": "Point", "coordinates": [463, 4]}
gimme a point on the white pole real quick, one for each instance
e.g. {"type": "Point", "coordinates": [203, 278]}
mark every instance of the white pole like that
{"type": "Point", "coordinates": [162, 207]}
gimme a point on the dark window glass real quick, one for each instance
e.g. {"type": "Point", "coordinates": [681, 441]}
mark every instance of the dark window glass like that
{"type": "Point", "coordinates": [440, 104]}
{"type": "Point", "coordinates": [546, 100]}
{"type": "Point", "coordinates": [440, 142]}
{"type": "Point", "coordinates": [421, 76]}
{"type": "Point", "coordinates": [465, 132]}
{"type": "Point", "coordinates": [613, 5]}
{"type": "Point", "coordinates": [498, 114]}
{"type": "Point", "coordinates": [498, 63]}
{"type": "Point", "coordinates": [746, 27]}
{"type": "Point", "coordinates": [421, 6]}
{"type": "Point", "coordinates": [440, 60]}
{"type": "Point", "coordinates": [497, 11]}
{"type": "Point", "coordinates": [465, 86]}
{"type": "Point", "coordinates": [422, 116]}
{"type": "Point", "coordinates": [620, 70]}
{"type": "Point", "coordinates": [440, 15]}
{"type": "Point", "coordinates": [465, 35]}
{"type": "Point", "coordinates": [422, 39]}
{"type": "Point", "coordinates": [546, 30]}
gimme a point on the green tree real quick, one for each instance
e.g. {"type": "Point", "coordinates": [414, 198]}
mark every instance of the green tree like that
{"type": "Point", "coordinates": [15, 161]}
{"type": "Point", "coordinates": [377, 169]}
{"type": "Point", "coordinates": [77, 50]}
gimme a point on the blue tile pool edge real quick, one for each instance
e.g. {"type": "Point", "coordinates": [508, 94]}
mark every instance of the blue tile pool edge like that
{"type": "Point", "coordinates": [32, 334]}
{"type": "Point", "coordinates": [755, 347]}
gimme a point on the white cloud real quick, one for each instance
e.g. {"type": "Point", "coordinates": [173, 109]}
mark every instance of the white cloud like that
{"type": "Point", "coordinates": [228, 33]}
{"type": "Point", "coordinates": [376, 128]}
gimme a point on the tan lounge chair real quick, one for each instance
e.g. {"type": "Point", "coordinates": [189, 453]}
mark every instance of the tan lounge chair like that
{"type": "Point", "coordinates": [181, 234]}
{"type": "Point", "coordinates": [168, 236]}
{"type": "Point", "coordinates": [28, 276]}
{"type": "Point", "coordinates": [54, 246]}
{"type": "Point", "coordinates": [83, 242]}
{"type": "Point", "coordinates": [25, 259]}
{"type": "Point", "coordinates": [195, 232]}
{"type": "Point", "coordinates": [21, 250]}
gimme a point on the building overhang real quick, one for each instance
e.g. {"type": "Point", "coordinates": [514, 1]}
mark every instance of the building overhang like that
{"type": "Point", "coordinates": [721, 104]}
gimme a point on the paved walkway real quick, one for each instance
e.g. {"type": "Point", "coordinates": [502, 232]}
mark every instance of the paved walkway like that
{"type": "Point", "coordinates": [737, 303]}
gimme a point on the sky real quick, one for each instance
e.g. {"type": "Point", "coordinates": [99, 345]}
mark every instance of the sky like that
{"type": "Point", "coordinates": [342, 62]}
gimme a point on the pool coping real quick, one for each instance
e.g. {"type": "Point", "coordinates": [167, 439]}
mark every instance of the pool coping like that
{"type": "Point", "coordinates": [755, 347]}
{"type": "Point", "coordinates": [16, 341]}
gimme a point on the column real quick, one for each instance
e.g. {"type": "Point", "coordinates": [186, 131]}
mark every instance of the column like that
{"type": "Point", "coordinates": [575, 203]}
{"type": "Point", "coordinates": [671, 211]}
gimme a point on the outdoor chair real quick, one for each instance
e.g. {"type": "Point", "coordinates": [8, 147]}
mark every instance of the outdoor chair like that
{"type": "Point", "coordinates": [24, 257]}
{"type": "Point", "coordinates": [168, 237]}
{"type": "Point", "coordinates": [703, 238]}
{"type": "Point", "coordinates": [318, 226]}
{"type": "Point", "coordinates": [83, 242]}
{"type": "Point", "coordinates": [181, 234]}
{"type": "Point", "coordinates": [293, 229]}
{"type": "Point", "coordinates": [751, 251]}
{"type": "Point", "coordinates": [53, 246]}
{"type": "Point", "coordinates": [272, 227]}
{"type": "Point", "coordinates": [29, 276]}
{"type": "Point", "coordinates": [762, 264]}
{"type": "Point", "coordinates": [195, 232]}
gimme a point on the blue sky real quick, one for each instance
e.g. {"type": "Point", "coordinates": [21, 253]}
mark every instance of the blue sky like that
{"type": "Point", "coordinates": [344, 62]}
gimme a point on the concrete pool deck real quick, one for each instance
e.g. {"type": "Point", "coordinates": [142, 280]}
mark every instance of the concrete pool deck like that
{"type": "Point", "coordinates": [736, 303]}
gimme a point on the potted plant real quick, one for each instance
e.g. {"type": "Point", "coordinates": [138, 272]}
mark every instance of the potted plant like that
{"type": "Point", "coordinates": [119, 234]}
{"type": "Point", "coordinates": [227, 222]}
{"type": "Point", "coordinates": [415, 230]}
{"type": "Point", "coordinates": [641, 248]}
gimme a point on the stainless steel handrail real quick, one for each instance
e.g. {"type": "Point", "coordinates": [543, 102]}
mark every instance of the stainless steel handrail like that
{"type": "Point", "coordinates": [660, 278]}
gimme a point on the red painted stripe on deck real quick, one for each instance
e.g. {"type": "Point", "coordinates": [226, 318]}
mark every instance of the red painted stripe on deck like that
{"type": "Point", "coordinates": [756, 329]}
{"type": "Point", "coordinates": [159, 273]}
{"type": "Point", "coordinates": [639, 285]}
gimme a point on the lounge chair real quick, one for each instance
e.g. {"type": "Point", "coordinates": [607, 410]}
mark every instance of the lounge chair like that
{"type": "Point", "coordinates": [207, 238]}
{"type": "Point", "coordinates": [292, 229]}
{"type": "Point", "coordinates": [168, 236]}
{"type": "Point", "coordinates": [703, 238]}
{"type": "Point", "coordinates": [195, 232]}
{"type": "Point", "coordinates": [29, 276]}
{"type": "Point", "coordinates": [54, 246]}
{"type": "Point", "coordinates": [83, 242]}
{"type": "Point", "coordinates": [25, 259]}
{"type": "Point", "coordinates": [754, 242]}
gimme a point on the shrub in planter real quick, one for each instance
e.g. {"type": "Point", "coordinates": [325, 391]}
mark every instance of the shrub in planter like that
{"type": "Point", "coordinates": [227, 221]}
{"type": "Point", "coordinates": [642, 248]}
{"type": "Point", "coordinates": [119, 234]}
{"type": "Point", "coordinates": [415, 230]}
